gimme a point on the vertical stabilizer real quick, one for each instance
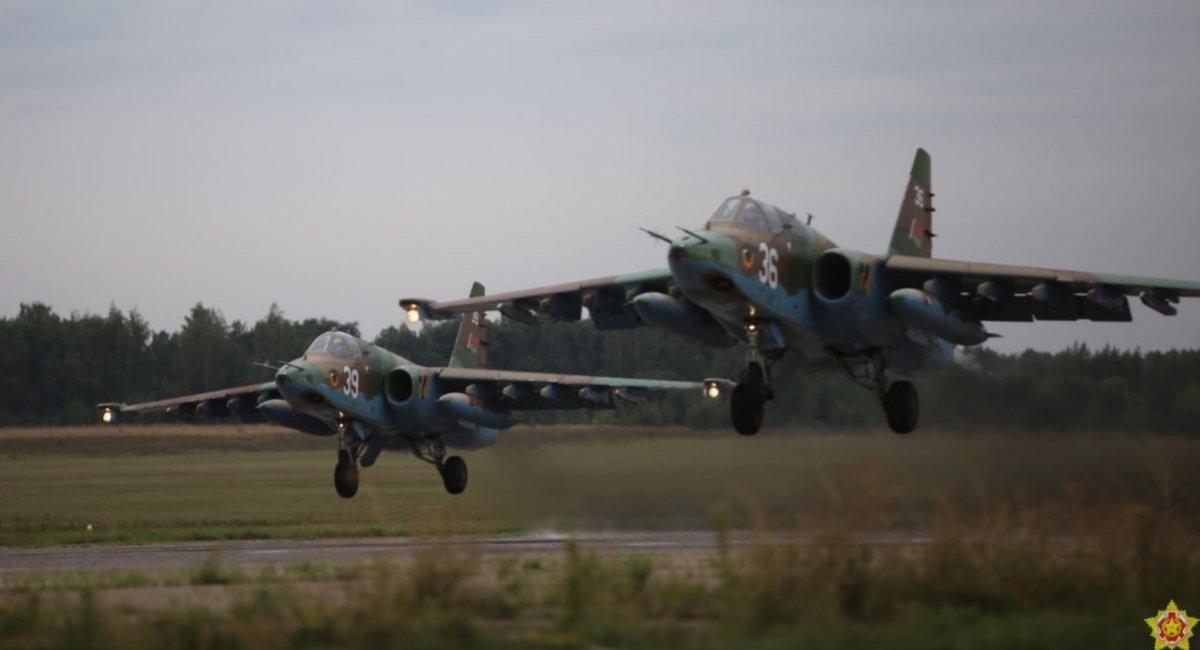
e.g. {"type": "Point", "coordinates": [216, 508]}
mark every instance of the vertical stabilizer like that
{"type": "Point", "coordinates": [470, 346]}
{"type": "Point", "coordinates": [914, 225]}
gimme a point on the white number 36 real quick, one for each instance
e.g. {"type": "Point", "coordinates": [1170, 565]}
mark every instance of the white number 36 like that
{"type": "Point", "coordinates": [769, 273]}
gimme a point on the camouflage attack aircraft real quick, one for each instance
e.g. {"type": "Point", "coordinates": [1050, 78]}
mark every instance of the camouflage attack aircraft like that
{"type": "Point", "coordinates": [372, 399]}
{"type": "Point", "coordinates": [758, 276]}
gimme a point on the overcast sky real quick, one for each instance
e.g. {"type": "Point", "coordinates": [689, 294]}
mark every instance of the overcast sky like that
{"type": "Point", "coordinates": [333, 157]}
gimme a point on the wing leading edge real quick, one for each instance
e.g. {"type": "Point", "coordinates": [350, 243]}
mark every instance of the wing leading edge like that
{"type": "Point", "coordinates": [241, 401]}
{"type": "Point", "coordinates": [524, 391]}
{"type": "Point", "coordinates": [606, 299]}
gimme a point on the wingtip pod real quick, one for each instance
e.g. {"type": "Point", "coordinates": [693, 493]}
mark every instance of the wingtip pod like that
{"type": "Point", "coordinates": [417, 310]}
{"type": "Point", "coordinates": [110, 412]}
{"type": "Point", "coordinates": [714, 387]}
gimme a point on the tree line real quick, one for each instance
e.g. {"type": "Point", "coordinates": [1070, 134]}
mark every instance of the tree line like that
{"type": "Point", "coordinates": [54, 369]}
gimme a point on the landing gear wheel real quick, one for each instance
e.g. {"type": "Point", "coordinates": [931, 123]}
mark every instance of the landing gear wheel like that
{"type": "Point", "coordinates": [746, 410]}
{"type": "Point", "coordinates": [454, 474]}
{"type": "Point", "coordinates": [902, 407]}
{"type": "Point", "coordinates": [746, 402]}
{"type": "Point", "coordinates": [345, 476]}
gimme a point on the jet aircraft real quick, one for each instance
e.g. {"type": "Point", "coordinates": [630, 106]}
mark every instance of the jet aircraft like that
{"type": "Point", "coordinates": [372, 399]}
{"type": "Point", "coordinates": [757, 275]}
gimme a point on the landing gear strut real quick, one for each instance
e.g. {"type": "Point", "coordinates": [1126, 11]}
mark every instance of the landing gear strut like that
{"type": "Point", "coordinates": [746, 404]}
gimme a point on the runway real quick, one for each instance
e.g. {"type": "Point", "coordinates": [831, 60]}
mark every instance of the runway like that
{"type": "Point", "coordinates": [258, 553]}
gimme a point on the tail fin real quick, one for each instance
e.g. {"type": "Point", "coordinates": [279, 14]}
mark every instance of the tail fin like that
{"type": "Point", "coordinates": [914, 226]}
{"type": "Point", "coordinates": [470, 347]}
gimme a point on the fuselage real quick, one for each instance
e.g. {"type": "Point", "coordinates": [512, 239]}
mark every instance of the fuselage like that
{"type": "Point", "coordinates": [754, 263]}
{"type": "Point", "coordinates": [349, 385]}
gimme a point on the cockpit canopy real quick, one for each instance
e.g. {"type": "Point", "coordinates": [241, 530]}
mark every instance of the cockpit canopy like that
{"type": "Point", "coordinates": [336, 344]}
{"type": "Point", "coordinates": [750, 214]}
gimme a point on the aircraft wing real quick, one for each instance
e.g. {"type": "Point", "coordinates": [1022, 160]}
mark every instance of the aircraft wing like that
{"type": "Point", "coordinates": [513, 390]}
{"type": "Point", "coordinates": [216, 403]}
{"type": "Point", "coordinates": [1000, 292]}
{"type": "Point", "coordinates": [607, 300]}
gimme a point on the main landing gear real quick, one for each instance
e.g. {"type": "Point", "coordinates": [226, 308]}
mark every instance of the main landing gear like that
{"type": "Point", "coordinates": [902, 407]}
{"type": "Point", "coordinates": [898, 398]}
{"type": "Point", "coordinates": [453, 470]}
{"type": "Point", "coordinates": [454, 474]}
{"type": "Point", "coordinates": [353, 453]}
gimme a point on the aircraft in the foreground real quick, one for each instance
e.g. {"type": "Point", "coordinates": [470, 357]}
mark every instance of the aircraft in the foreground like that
{"type": "Point", "coordinates": [373, 399]}
{"type": "Point", "coordinates": [757, 275]}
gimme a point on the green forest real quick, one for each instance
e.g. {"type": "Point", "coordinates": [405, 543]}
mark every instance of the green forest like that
{"type": "Point", "coordinates": [55, 368]}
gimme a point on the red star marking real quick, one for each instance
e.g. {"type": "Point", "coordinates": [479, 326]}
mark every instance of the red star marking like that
{"type": "Point", "coordinates": [1162, 630]}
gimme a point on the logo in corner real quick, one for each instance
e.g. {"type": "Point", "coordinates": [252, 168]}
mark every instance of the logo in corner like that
{"type": "Point", "coordinates": [1171, 628]}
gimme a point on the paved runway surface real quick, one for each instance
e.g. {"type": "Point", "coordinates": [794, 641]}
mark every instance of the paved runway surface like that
{"type": "Point", "coordinates": [249, 554]}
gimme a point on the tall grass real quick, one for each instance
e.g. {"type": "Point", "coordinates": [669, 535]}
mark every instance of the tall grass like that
{"type": "Point", "coordinates": [934, 541]}
{"type": "Point", "coordinates": [976, 580]}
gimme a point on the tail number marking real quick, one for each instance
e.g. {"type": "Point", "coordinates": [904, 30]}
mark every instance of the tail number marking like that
{"type": "Point", "coordinates": [769, 273]}
{"type": "Point", "coordinates": [350, 386]}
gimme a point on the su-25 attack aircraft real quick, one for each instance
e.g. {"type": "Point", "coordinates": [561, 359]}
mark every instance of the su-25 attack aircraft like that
{"type": "Point", "coordinates": [372, 399]}
{"type": "Point", "coordinates": [758, 276]}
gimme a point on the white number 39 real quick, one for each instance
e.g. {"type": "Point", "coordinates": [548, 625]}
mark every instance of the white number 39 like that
{"type": "Point", "coordinates": [350, 387]}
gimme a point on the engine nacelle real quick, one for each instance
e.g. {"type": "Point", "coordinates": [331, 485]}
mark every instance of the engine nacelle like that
{"type": "Point", "coordinates": [838, 273]}
{"type": "Point", "coordinates": [403, 383]}
{"type": "Point", "coordinates": [280, 412]}
{"type": "Point", "coordinates": [680, 317]}
{"type": "Point", "coordinates": [849, 302]}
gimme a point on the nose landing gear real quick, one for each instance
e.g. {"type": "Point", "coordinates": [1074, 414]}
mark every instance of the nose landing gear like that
{"type": "Point", "coordinates": [754, 390]}
{"type": "Point", "coordinates": [746, 404]}
{"type": "Point", "coordinates": [345, 475]}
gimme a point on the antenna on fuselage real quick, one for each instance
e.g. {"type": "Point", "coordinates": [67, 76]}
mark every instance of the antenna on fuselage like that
{"type": "Point", "coordinates": [810, 218]}
{"type": "Point", "coordinates": [656, 235]}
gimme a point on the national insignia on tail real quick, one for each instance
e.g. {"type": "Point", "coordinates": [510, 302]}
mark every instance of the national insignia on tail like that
{"type": "Point", "coordinates": [470, 346]}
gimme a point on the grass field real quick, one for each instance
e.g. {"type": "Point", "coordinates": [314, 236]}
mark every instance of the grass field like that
{"type": "Point", "coordinates": [1036, 542]}
{"type": "Point", "coordinates": [140, 484]}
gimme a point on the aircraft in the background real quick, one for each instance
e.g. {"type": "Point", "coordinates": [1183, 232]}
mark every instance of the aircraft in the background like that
{"type": "Point", "coordinates": [759, 276]}
{"type": "Point", "coordinates": [372, 399]}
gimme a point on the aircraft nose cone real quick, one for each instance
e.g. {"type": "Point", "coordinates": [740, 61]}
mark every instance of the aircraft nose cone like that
{"type": "Point", "coordinates": [288, 375]}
